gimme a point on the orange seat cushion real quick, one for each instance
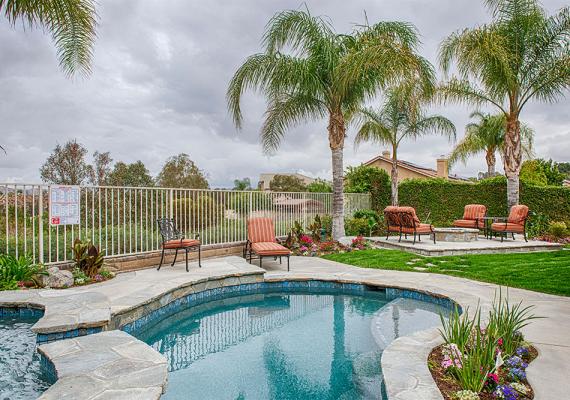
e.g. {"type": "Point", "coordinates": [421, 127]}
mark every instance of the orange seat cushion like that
{"type": "Point", "coordinates": [518, 214]}
{"type": "Point", "coordinates": [270, 249]}
{"type": "Point", "coordinates": [420, 228]}
{"type": "Point", "coordinates": [474, 211]}
{"type": "Point", "coordinates": [507, 227]}
{"type": "Point", "coordinates": [180, 243]}
{"type": "Point", "coordinates": [260, 230]}
{"type": "Point", "coordinates": [466, 223]}
{"type": "Point", "coordinates": [393, 228]}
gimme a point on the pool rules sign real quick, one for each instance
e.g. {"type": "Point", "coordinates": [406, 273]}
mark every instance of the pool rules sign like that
{"type": "Point", "coordinates": [64, 205]}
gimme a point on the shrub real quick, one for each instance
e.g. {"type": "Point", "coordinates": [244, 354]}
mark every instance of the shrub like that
{"type": "Point", "coordinates": [357, 227]}
{"type": "Point", "coordinates": [367, 179]}
{"type": "Point", "coordinates": [87, 258]}
{"type": "Point", "coordinates": [375, 221]}
{"type": "Point", "coordinates": [18, 269]}
{"type": "Point", "coordinates": [558, 229]}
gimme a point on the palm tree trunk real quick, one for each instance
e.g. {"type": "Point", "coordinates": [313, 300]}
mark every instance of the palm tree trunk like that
{"type": "Point", "coordinates": [337, 132]}
{"type": "Point", "coordinates": [394, 176]}
{"type": "Point", "coordinates": [512, 159]}
{"type": "Point", "coordinates": [491, 161]}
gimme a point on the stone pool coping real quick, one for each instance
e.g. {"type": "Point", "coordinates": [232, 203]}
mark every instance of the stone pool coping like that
{"type": "Point", "coordinates": [107, 365]}
{"type": "Point", "coordinates": [406, 374]}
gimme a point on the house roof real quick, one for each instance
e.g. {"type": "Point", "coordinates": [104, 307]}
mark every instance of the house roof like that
{"type": "Point", "coordinates": [427, 172]}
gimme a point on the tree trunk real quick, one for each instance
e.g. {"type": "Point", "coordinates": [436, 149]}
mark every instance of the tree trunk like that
{"type": "Point", "coordinates": [491, 161]}
{"type": "Point", "coordinates": [337, 131]}
{"type": "Point", "coordinates": [512, 159]}
{"type": "Point", "coordinates": [394, 176]}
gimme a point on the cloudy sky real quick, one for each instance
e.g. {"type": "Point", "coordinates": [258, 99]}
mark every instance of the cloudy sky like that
{"type": "Point", "coordinates": [160, 73]}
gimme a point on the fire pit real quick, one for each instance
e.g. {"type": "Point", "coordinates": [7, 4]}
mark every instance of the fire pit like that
{"type": "Point", "coordinates": [456, 234]}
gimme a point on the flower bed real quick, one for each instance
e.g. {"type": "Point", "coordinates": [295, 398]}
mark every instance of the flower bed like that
{"type": "Point", "coordinates": [484, 361]}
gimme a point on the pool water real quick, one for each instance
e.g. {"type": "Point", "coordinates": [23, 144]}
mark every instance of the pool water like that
{"type": "Point", "coordinates": [20, 371]}
{"type": "Point", "coordinates": [284, 345]}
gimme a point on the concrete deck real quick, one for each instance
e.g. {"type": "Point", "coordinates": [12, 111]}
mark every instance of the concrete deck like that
{"type": "Point", "coordinates": [403, 362]}
{"type": "Point", "coordinates": [481, 246]}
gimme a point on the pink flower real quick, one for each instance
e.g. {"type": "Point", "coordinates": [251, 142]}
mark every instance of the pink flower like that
{"type": "Point", "coordinates": [493, 377]}
{"type": "Point", "coordinates": [303, 248]}
{"type": "Point", "coordinates": [500, 342]}
{"type": "Point", "coordinates": [306, 239]}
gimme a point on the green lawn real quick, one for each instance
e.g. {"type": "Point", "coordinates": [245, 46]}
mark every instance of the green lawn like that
{"type": "Point", "coordinates": [547, 272]}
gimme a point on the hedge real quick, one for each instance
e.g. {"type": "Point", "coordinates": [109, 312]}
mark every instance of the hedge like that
{"type": "Point", "coordinates": [442, 201]}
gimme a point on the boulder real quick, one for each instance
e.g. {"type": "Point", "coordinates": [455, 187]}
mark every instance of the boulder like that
{"type": "Point", "coordinates": [57, 278]}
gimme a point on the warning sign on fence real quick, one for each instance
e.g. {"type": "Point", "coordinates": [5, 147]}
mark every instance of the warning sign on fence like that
{"type": "Point", "coordinates": [64, 205]}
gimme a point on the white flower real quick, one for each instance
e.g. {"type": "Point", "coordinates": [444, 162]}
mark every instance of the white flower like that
{"type": "Point", "coordinates": [466, 395]}
{"type": "Point", "coordinates": [519, 387]}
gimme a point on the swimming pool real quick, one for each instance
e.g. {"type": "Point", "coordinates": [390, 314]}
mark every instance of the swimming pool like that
{"type": "Point", "coordinates": [277, 344]}
{"type": "Point", "coordinates": [20, 372]}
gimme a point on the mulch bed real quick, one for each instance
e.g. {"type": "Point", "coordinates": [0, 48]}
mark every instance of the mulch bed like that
{"type": "Point", "coordinates": [448, 385]}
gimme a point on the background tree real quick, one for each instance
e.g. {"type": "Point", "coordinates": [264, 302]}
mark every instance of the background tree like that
{"type": "Point", "coordinates": [361, 179]}
{"type": "Point", "coordinates": [308, 72]}
{"type": "Point", "coordinates": [242, 184]}
{"type": "Point", "coordinates": [71, 23]}
{"type": "Point", "coordinates": [101, 168]}
{"type": "Point", "coordinates": [181, 172]}
{"type": "Point", "coordinates": [287, 183]}
{"type": "Point", "coordinates": [132, 175]}
{"type": "Point", "coordinates": [487, 135]}
{"type": "Point", "coordinates": [401, 117]}
{"type": "Point", "coordinates": [564, 167]}
{"type": "Point", "coordinates": [319, 186]}
{"type": "Point", "coordinates": [533, 173]}
{"type": "Point", "coordinates": [521, 55]}
{"type": "Point", "coordinates": [67, 165]}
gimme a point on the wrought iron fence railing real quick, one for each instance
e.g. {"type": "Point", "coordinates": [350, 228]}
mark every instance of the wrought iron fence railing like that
{"type": "Point", "coordinates": [122, 220]}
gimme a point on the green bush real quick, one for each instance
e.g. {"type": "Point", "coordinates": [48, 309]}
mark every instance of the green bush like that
{"type": "Point", "coordinates": [357, 227]}
{"type": "Point", "coordinates": [558, 229]}
{"type": "Point", "coordinates": [366, 179]}
{"type": "Point", "coordinates": [18, 269]}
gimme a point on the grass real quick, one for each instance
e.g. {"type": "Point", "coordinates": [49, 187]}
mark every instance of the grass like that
{"type": "Point", "coordinates": [547, 272]}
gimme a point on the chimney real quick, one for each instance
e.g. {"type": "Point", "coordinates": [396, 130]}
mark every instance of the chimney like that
{"type": "Point", "coordinates": [442, 167]}
{"type": "Point", "coordinates": [386, 154]}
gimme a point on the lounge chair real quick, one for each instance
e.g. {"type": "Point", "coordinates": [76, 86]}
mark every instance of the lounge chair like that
{"type": "Point", "coordinates": [411, 224]}
{"type": "Point", "coordinates": [473, 215]}
{"type": "Point", "coordinates": [262, 242]}
{"type": "Point", "coordinates": [172, 239]}
{"type": "Point", "coordinates": [392, 220]}
{"type": "Point", "coordinates": [514, 223]}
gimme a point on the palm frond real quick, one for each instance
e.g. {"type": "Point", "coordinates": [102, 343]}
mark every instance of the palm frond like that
{"type": "Point", "coordinates": [463, 92]}
{"type": "Point", "coordinates": [434, 124]}
{"type": "Point", "coordinates": [285, 112]}
{"type": "Point", "coordinates": [72, 24]}
{"type": "Point", "coordinates": [373, 128]}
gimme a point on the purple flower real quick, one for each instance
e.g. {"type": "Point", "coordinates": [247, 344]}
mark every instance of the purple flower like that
{"type": "Point", "coordinates": [514, 361]}
{"type": "Point", "coordinates": [505, 392]}
{"type": "Point", "coordinates": [517, 374]}
{"type": "Point", "coordinates": [522, 352]}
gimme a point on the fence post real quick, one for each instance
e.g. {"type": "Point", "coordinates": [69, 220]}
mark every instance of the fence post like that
{"type": "Point", "coordinates": [304, 210]}
{"type": "Point", "coordinates": [170, 206]}
{"type": "Point", "coordinates": [41, 226]}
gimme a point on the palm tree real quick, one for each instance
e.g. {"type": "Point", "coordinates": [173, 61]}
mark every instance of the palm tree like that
{"type": "Point", "coordinates": [71, 23]}
{"type": "Point", "coordinates": [521, 55]}
{"type": "Point", "coordinates": [401, 117]}
{"type": "Point", "coordinates": [487, 135]}
{"type": "Point", "coordinates": [309, 72]}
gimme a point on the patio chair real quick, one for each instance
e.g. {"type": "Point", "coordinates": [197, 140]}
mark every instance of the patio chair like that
{"type": "Point", "coordinates": [392, 221]}
{"type": "Point", "coordinates": [473, 215]}
{"type": "Point", "coordinates": [514, 223]}
{"type": "Point", "coordinates": [262, 242]}
{"type": "Point", "coordinates": [172, 239]}
{"type": "Point", "coordinates": [411, 224]}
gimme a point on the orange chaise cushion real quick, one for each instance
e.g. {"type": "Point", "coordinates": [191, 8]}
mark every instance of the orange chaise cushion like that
{"type": "Point", "coordinates": [474, 211]}
{"type": "Point", "coordinates": [260, 230]}
{"type": "Point", "coordinates": [269, 249]}
{"type": "Point", "coordinates": [420, 228]}
{"type": "Point", "coordinates": [518, 214]}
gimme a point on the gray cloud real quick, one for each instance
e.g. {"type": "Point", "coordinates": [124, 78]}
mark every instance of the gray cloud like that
{"type": "Point", "coordinates": [159, 81]}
